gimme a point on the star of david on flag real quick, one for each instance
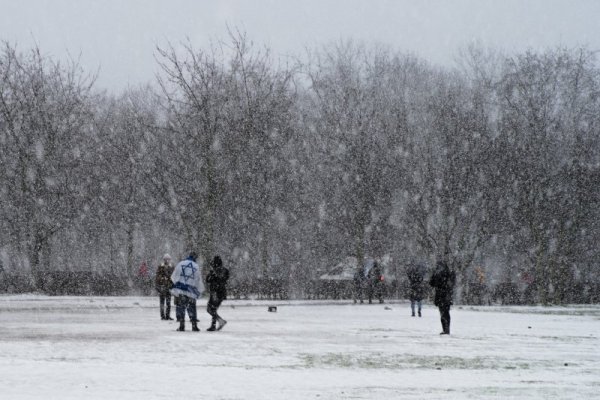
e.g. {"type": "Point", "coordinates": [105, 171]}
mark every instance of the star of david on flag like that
{"type": "Point", "coordinates": [188, 272]}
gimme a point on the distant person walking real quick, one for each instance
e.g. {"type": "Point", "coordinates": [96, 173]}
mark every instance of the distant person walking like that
{"type": "Point", "coordinates": [216, 281]}
{"type": "Point", "coordinates": [144, 280]}
{"type": "Point", "coordinates": [359, 280]}
{"type": "Point", "coordinates": [187, 288]}
{"type": "Point", "coordinates": [163, 284]}
{"type": "Point", "coordinates": [416, 275]}
{"type": "Point", "coordinates": [443, 280]}
{"type": "Point", "coordinates": [376, 284]}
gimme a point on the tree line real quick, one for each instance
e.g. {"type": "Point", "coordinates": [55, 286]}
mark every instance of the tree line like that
{"type": "Point", "coordinates": [285, 167]}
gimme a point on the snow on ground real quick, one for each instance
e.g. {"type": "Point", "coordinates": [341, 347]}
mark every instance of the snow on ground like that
{"type": "Point", "coordinates": [117, 347]}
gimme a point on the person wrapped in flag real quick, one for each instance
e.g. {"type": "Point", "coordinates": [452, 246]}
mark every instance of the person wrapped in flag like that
{"type": "Point", "coordinates": [187, 288]}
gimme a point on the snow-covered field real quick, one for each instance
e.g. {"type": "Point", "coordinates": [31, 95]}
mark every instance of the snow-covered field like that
{"type": "Point", "coordinates": [118, 348]}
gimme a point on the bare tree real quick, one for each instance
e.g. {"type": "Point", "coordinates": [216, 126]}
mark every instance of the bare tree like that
{"type": "Point", "coordinates": [549, 108]}
{"type": "Point", "coordinates": [44, 114]}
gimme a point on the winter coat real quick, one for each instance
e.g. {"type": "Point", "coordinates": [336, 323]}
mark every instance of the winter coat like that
{"type": "Point", "coordinates": [416, 276]}
{"type": "Point", "coordinates": [443, 281]}
{"type": "Point", "coordinates": [217, 281]}
{"type": "Point", "coordinates": [143, 270]}
{"type": "Point", "coordinates": [359, 278]}
{"type": "Point", "coordinates": [162, 280]}
{"type": "Point", "coordinates": [375, 275]}
{"type": "Point", "coordinates": [187, 280]}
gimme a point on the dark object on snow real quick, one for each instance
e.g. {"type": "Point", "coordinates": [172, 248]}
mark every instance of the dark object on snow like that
{"type": "Point", "coordinates": [443, 280]}
{"type": "Point", "coordinates": [217, 328]}
{"type": "Point", "coordinates": [183, 304]}
{"type": "Point", "coordinates": [217, 285]}
{"type": "Point", "coordinates": [272, 309]}
{"type": "Point", "coordinates": [360, 282]}
{"type": "Point", "coordinates": [182, 326]}
{"type": "Point", "coordinates": [375, 283]}
{"type": "Point", "coordinates": [416, 277]}
{"type": "Point", "coordinates": [163, 285]}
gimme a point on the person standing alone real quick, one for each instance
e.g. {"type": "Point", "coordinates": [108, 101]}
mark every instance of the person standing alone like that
{"type": "Point", "coordinates": [187, 288]}
{"type": "Point", "coordinates": [416, 275]}
{"type": "Point", "coordinates": [217, 285]}
{"type": "Point", "coordinates": [443, 280]}
{"type": "Point", "coordinates": [162, 283]}
{"type": "Point", "coordinates": [375, 282]}
{"type": "Point", "coordinates": [359, 284]}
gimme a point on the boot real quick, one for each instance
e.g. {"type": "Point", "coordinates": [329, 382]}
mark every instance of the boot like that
{"type": "Point", "coordinates": [195, 327]}
{"type": "Point", "coordinates": [445, 328]}
{"type": "Point", "coordinates": [413, 314]}
{"type": "Point", "coordinates": [419, 314]}
{"type": "Point", "coordinates": [212, 328]}
{"type": "Point", "coordinates": [181, 326]}
{"type": "Point", "coordinates": [222, 323]}
{"type": "Point", "coordinates": [168, 318]}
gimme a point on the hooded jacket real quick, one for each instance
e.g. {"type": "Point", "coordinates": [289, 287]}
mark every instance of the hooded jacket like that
{"type": "Point", "coordinates": [443, 280]}
{"type": "Point", "coordinates": [217, 279]}
{"type": "Point", "coordinates": [162, 280]}
{"type": "Point", "coordinates": [416, 277]}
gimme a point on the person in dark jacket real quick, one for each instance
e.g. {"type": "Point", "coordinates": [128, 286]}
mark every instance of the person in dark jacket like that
{"type": "Point", "coordinates": [376, 287]}
{"type": "Point", "coordinates": [359, 284]}
{"type": "Point", "coordinates": [443, 280]}
{"type": "Point", "coordinates": [217, 285]}
{"type": "Point", "coordinates": [416, 275]}
{"type": "Point", "coordinates": [162, 283]}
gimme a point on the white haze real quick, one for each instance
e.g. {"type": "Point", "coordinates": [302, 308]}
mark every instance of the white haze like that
{"type": "Point", "coordinates": [119, 38]}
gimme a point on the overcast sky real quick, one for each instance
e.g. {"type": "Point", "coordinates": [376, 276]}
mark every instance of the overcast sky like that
{"type": "Point", "coordinates": [119, 37]}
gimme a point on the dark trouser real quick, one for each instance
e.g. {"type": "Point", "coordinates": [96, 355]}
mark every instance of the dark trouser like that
{"type": "Point", "coordinates": [445, 317]}
{"type": "Point", "coordinates": [379, 291]}
{"type": "Point", "coordinates": [165, 304]}
{"type": "Point", "coordinates": [375, 290]}
{"type": "Point", "coordinates": [414, 303]}
{"type": "Point", "coordinates": [213, 305]}
{"type": "Point", "coordinates": [358, 292]}
{"type": "Point", "coordinates": [183, 303]}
